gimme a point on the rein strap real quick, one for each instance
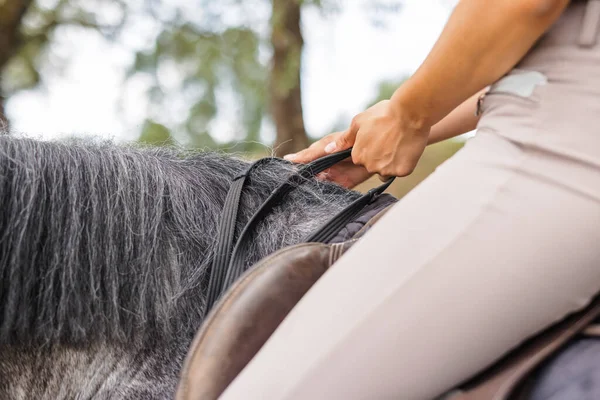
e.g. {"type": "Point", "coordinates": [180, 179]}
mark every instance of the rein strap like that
{"type": "Point", "coordinates": [229, 262]}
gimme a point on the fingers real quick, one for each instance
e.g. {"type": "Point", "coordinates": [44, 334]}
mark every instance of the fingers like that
{"type": "Point", "coordinates": [314, 151]}
{"type": "Point", "coordinates": [332, 143]}
{"type": "Point", "coordinates": [345, 174]}
{"type": "Point", "coordinates": [344, 141]}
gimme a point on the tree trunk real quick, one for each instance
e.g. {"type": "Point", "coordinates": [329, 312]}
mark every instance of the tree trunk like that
{"type": "Point", "coordinates": [11, 15]}
{"type": "Point", "coordinates": [3, 119]}
{"type": "Point", "coordinates": [284, 87]}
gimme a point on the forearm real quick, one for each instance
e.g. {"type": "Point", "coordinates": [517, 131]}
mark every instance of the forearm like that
{"type": "Point", "coordinates": [461, 120]}
{"type": "Point", "coordinates": [481, 42]}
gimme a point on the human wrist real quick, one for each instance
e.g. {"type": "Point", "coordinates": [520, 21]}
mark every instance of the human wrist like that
{"type": "Point", "coordinates": [413, 106]}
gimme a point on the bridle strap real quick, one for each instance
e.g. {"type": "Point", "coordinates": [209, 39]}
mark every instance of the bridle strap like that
{"type": "Point", "coordinates": [225, 244]}
{"type": "Point", "coordinates": [228, 265]}
{"type": "Point", "coordinates": [225, 234]}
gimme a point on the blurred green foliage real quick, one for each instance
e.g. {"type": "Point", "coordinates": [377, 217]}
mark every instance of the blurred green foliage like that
{"type": "Point", "coordinates": [208, 62]}
{"type": "Point", "coordinates": [385, 90]}
{"type": "Point", "coordinates": [36, 28]}
{"type": "Point", "coordinates": [155, 134]}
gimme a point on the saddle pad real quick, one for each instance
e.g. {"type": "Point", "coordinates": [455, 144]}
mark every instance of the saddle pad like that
{"type": "Point", "coordinates": [368, 214]}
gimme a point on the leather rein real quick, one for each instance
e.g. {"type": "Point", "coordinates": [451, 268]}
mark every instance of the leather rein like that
{"type": "Point", "coordinates": [230, 255]}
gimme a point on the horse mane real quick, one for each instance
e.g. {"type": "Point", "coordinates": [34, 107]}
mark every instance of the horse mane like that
{"type": "Point", "coordinates": [107, 243]}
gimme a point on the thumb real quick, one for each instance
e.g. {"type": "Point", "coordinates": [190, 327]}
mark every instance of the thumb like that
{"type": "Point", "coordinates": [314, 151]}
{"type": "Point", "coordinates": [344, 141]}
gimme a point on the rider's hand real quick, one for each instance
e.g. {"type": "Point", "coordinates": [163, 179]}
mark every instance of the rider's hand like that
{"type": "Point", "coordinates": [344, 173]}
{"type": "Point", "coordinates": [386, 139]}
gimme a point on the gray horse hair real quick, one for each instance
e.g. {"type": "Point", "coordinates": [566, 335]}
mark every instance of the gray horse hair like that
{"type": "Point", "coordinates": [105, 252]}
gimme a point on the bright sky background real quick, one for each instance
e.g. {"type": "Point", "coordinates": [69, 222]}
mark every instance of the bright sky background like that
{"type": "Point", "coordinates": [346, 56]}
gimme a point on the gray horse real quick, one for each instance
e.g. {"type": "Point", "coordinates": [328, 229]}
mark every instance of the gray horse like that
{"type": "Point", "coordinates": [104, 260]}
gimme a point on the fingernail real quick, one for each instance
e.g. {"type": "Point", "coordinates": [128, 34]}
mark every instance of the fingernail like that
{"type": "Point", "coordinates": [290, 157]}
{"type": "Point", "coordinates": [330, 148]}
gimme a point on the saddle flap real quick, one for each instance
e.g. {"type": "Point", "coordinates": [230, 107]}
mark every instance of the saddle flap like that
{"type": "Point", "coordinates": [248, 314]}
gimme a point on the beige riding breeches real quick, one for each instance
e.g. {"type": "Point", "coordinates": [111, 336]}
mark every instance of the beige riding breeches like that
{"type": "Point", "coordinates": [499, 243]}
